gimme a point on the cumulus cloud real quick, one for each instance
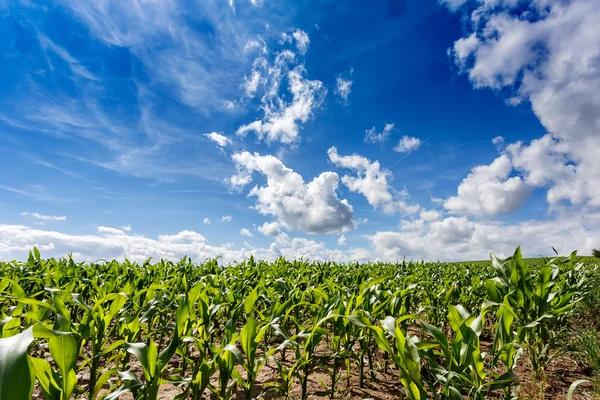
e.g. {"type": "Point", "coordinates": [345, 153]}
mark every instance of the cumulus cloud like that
{"type": "Point", "coordinates": [270, 229]}
{"type": "Point", "coordinates": [17, 240]}
{"type": "Point", "coordinates": [181, 237]}
{"type": "Point", "coordinates": [312, 207]}
{"type": "Point", "coordinates": [341, 240]}
{"type": "Point", "coordinates": [372, 182]}
{"type": "Point", "coordinates": [109, 231]}
{"type": "Point", "coordinates": [488, 190]}
{"type": "Point", "coordinates": [407, 144]}
{"type": "Point", "coordinates": [206, 221]}
{"type": "Point", "coordinates": [430, 215]}
{"type": "Point", "coordinates": [126, 228]}
{"type": "Point", "coordinates": [226, 218]}
{"type": "Point", "coordinates": [245, 232]}
{"type": "Point", "coordinates": [547, 52]}
{"type": "Point", "coordinates": [371, 135]}
{"type": "Point", "coordinates": [460, 239]}
{"type": "Point", "coordinates": [219, 139]}
{"type": "Point", "coordinates": [44, 217]}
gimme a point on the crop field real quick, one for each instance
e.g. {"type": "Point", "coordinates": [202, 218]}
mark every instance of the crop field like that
{"type": "Point", "coordinates": [509, 328]}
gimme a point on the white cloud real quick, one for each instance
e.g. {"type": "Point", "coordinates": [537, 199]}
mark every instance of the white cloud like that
{"type": "Point", "coordinates": [44, 217]}
{"type": "Point", "coordinates": [282, 118]}
{"type": "Point", "coordinates": [219, 139]}
{"type": "Point", "coordinates": [407, 144]}
{"type": "Point", "coordinates": [76, 67]}
{"type": "Point", "coordinates": [455, 239]}
{"type": "Point", "coordinates": [270, 229]}
{"type": "Point", "coordinates": [498, 141]}
{"type": "Point", "coordinates": [206, 221]}
{"type": "Point", "coordinates": [182, 237]}
{"type": "Point", "coordinates": [553, 61]}
{"type": "Point", "coordinates": [251, 84]}
{"type": "Point", "coordinates": [343, 87]}
{"type": "Point", "coordinates": [201, 70]}
{"type": "Point", "coordinates": [226, 218]}
{"type": "Point", "coordinates": [371, 135]}
{"type": "Point", "coordinates": [16, 241]}
{"type": "Point", "coordinates": [312, 207]}
{"type": "Point", "coordinates": [37, 192]}
{"type": "Point", "coordinates": [256, 44]}
{"type": "Point", "coordinates": [341, 240]}
{"type": "Point", "coordinates": [126, 228]}
{"type": "Point", "coordinates": [488, 190]}
{"type": "Point", "coordinates": [372, 182]}
{"type": "Point", "coordinates": [245, 232]}
{"type": "Point", "coordinates": [109, 231]}
{"type": "Point", "coordinates": [288, 99]}
{"type": "Point", "coordinates": [302, 41]}
{"type": "Point", "coordinates": [430, 215]}
{"type": "Point", "coordinates": [453, 4]}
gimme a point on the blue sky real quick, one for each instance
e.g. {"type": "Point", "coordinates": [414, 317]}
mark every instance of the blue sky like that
{"type": "Point", "coordinates": [316, 129]}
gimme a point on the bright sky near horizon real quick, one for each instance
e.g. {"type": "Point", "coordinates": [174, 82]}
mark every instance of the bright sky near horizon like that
{"type": "Point", "coordinates": [315, 129]}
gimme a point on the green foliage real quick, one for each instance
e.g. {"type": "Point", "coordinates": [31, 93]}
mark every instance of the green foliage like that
{"type": "Point", "coordinates": [212, 329]}
{"type": "Point", "coordinates": [16, 373]}
{"type": "Point", "coordinates": [462, 369]}
{"type": "Point", "coordinates": [587, 348]}
{"type": "Point", "coordinates": [535, 302]}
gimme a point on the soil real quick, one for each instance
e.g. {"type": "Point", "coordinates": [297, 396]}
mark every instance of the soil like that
{"type": "Point", "coordinates": [562, 372]}
{"type": "Point", "coordinates": [383, 384]}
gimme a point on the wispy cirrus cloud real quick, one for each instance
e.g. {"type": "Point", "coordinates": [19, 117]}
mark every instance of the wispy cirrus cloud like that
{"type": "Point", "coordinates": [201, 60]}
{"type": "Point", "coordinates": [36, 192]}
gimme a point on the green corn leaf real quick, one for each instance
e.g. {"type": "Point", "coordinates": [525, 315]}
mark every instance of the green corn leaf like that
{"type": "Point", "coordinates": [357, 320]}
{"type": "Point", "coordinates": [236, 353]}
{"type": "Point", "coordinates": [48, 379]}
{"type": "Point", "coordinates": [16, 373]}
{"type": "Point", "coordinates": [102, 381]}
{"type": "Point", "coordinates": [130, 384]}
{"type": "Point", "coordinates": [250, 301]}
{"type": "Point", "coordinates": [503, 381]}
{"type": "Point", "coordinates": [247, 337]}
{"type": "Point", "coordinates": [146, 355]}
{"type": "Point", "coordinates": [439, 336]}
{"type": "Point", "coordinates": [64, 351]}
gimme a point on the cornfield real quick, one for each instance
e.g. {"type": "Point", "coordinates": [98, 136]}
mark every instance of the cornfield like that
{"type": "Point", "coordinates": [109, 330]}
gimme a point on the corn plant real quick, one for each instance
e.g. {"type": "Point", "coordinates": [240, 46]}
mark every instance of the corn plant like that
{"type": "Point", "coordinates": [210, 328]}
{"type": "Point", "coordinates": [538, 302]}
{"type": "Point", "coordinates": [458, 365]}
{"type": "Point", "coordinates": [16, 373]}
